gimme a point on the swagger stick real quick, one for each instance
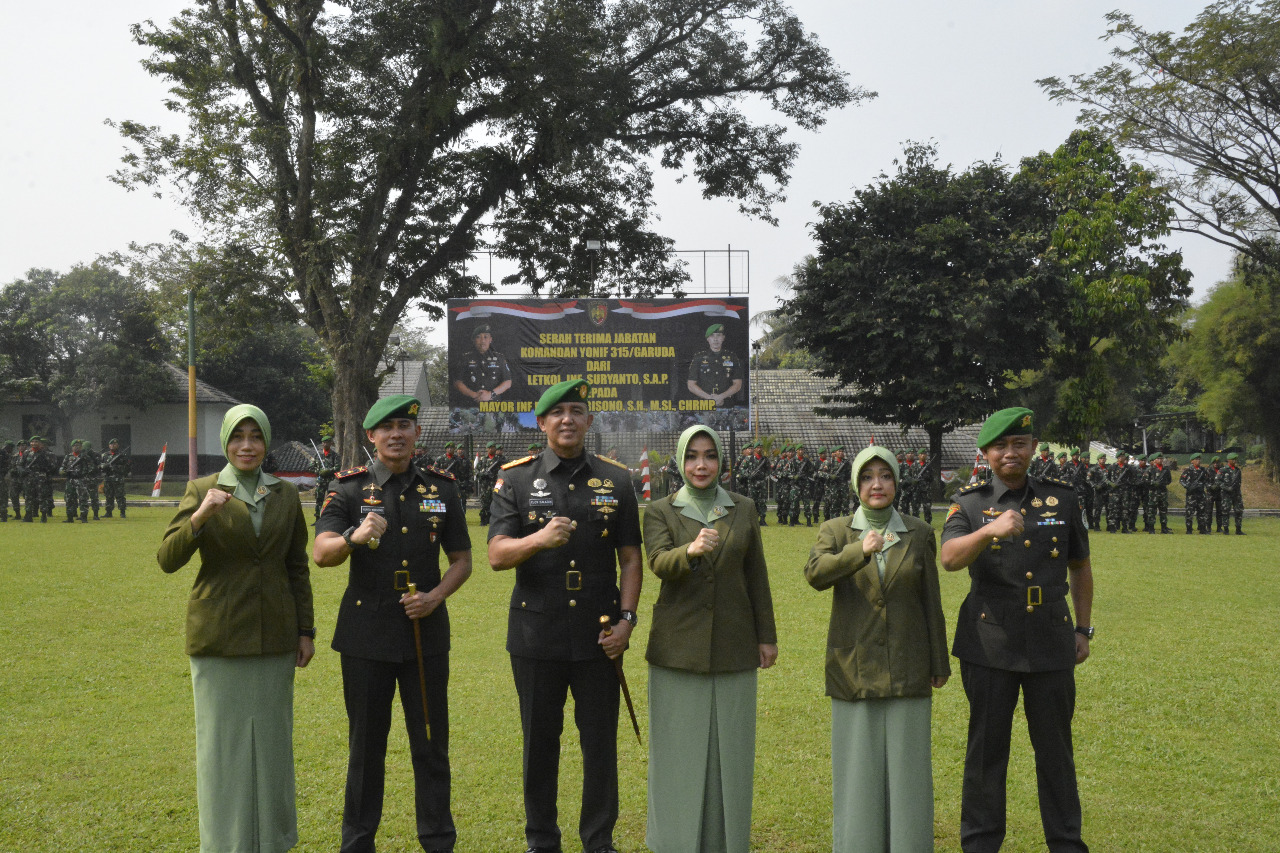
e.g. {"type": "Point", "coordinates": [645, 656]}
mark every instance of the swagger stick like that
{"type": "Point", "coordinates": [422, 675]}
{"type": "Point", "coordinates": [622, 679]}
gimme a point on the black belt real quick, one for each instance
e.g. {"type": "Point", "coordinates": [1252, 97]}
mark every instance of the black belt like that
{"type": "Point", "coordinates": [1032, 596]}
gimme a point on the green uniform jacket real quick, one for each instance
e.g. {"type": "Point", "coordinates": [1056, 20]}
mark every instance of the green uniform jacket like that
{"type": "Point", "coordinates": [252, 593]}
{"type": "Point", "coordinates": [884, 640]}
{"type": "Point", "coordinates": [714, 611]}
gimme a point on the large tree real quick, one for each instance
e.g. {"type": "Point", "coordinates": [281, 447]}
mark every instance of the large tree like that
{"type": "Point", "coordinates": [81, 341]}
{"type": "Point", "coordinates": [1204, 107]}
{"type": "Point", "coordinates": [364, 151]}
{"type": "Point", "coordinates": [924, 296]}
{"type": "Point", "coordinates": [1122, 292]}
{"type": "Point", "coordinates": [1230, 361]}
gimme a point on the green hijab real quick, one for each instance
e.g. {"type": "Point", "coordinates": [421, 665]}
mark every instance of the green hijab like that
{"type": "Point", "coordinates": [248, 486]}
{"type": "Point", "coordinates": [702, 505]}
{"type": "Point", "coordinates": [885, 521]}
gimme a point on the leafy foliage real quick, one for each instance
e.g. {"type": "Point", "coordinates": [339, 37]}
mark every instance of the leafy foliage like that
{"type": "Point", "coordinates": [81, 340]}
{"type": "Point", "coordinates": [364, 152]}
{"type": "Point", "coordinates": [1204, 106]}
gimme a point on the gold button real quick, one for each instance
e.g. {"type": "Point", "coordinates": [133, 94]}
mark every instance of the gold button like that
{"type": "Point", "coordinates": [1029, 576]}
{"type": "Point", "coordinates": [1055, 539]}
{"type": "Point", "coordinates": [573, 602]}
{"type": "Point", "coordinates": [573, 563]}
{"type": "Point", "coordinates": [983, 616]}
{"type": "Point", "coordinates": [522, 604]}
{"type": "Point", "coordinates": [359, 602]}
{"type": "Point", "coordinates": [406, 530]}
{"type": "Point", "coordinates": [1066, 618]}
{"type": "Point", "coordinates": [1027, 543]}
{"type": "Point", "coordinates": [1030, 609]}
{"type": "Point", "coordinates": [571, 487]}
{"type": "Point", "coordinates": [406, 563]}
{"type": "Point", "coordinates": [402, 497]}
{"type": "Point", "coordinates": [995, 539]}
{"type": "Point", "coordinates": [1024, 512]}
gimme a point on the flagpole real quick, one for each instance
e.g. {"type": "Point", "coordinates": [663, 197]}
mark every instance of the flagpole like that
{"type": "Point", "coordinates": [193, 461]}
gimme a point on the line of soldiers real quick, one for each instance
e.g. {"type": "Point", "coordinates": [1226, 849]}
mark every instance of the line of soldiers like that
{"type": "Point", "coordinates": [1120, 489]}
{"type": "Point", "coordinates": [27, 469]}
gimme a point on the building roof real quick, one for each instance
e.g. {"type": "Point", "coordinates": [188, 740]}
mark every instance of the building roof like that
{"type": "Point", "coordinates": [205, 393]}
{"type": "Point", "coordinates": [407, 377]}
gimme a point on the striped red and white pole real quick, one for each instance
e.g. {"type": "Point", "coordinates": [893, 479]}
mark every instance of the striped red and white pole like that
{"type": "Point", "coordinates": [155, 490]}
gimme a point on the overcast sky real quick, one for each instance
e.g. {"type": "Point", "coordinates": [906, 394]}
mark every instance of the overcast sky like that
{"type": "Point", "coordinates": [961, 74]}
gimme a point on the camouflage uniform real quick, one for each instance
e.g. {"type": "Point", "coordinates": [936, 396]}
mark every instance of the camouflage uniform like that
{"type": "Point", "coordinates": [1194, 480]}
{"type": "Point", "coordinates": [486, 478]}
{"type": "Point", "coordinates": [760, 484]}
{"type": "Point", "coordinates": [6, 463]}
{"type": "Point", "coordinates": [1120, 503]}
{"type": "Point", "coordinates": [1099, 484]}
{"type": "Point", "coordinates": [1158, 481]}
{"type": "Point", "coordinates": [672, 474]}
{"type": "Point", "coordinates": [1218, 522]}
{"type": "Point", "coordinates": [1233, 497]}
{"type": "Point", "coordinates": [38, 466]}
{"type": "Point", "coordinates": [783, 476]}
{"type": "Point", "coordinates": [904, 497]}
{"type": "Point", "coordinates": [838, 489]}
{"type": "Point", "coordinates": [115, 469]}
{"type": "Point", "coordinates": [323, 466]}
{"type": "Point", "coordinates": [821, 481]}
{"type": "Point", "coordinates": [1141, 492]}
{"type": "Point", "coordinates": [802, 504]}
{"type": "Point", "coordinates": [17, 480]}
{"type": "Point", "coordinates": [77, 495]}
{"type": "Point", "coordinates": [925, 479]}
{"type": "Point", "coordinates": [1042, 466]}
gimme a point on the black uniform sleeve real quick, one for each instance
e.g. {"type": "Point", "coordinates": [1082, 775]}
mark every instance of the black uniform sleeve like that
{"type": "Point", "coordinates": [336, 514]}
{"type": "Point", "coordinates": [504, 516]}
{"type": "Point", "coordinates": [456, 537]}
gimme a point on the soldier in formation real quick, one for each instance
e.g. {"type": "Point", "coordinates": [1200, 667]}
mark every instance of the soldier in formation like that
{"type": "Point", "coordinates": [114, 467]}
{"type": "Point", "coordinates": [1042, 466]}
{"type": "Point", "coordinates": [802, 472]}
{"type": "Point", "coordinates": [77, 495]}
{"type": "Point", "coordinates": [38, 466]}
{"type": "Point", "coordinates": [93, 474]}
{"type": "Point", "coordinates": [821, 481]}
{"type": "Point", "coordinates": [1100, 483]}
{"type": "Point", "coordinates": [1233, 499]}
{"type": "Point", "coordinates": [6, 467]}
{"type": "Point", "coordinates": [1158, 480]}
{"type": "Point", "coordinates": [1194, 481]}
{"type": "Point", "coordinates": [839, 492]}
{"type": "Point", "coordinates": [925, 479]}
{"type": "Point", "coordinates": [487, 476]}
{"type": "Point", "coordinates": [783, 475]}
{"type": "Point", "coordinates": [761, 471]}
{"type": "Point", "coordinates": [325, 465]}
{"type": "Point", "coordinates": [17, 478]}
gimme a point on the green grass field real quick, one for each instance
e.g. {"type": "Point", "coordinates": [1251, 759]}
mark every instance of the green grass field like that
{"type": "Point", "coordinates": [1177, 723]}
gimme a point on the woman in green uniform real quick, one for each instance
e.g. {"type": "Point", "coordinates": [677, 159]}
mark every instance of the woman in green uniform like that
{"type": "Point", "coordinates": [712, 629]}
{"type": "Point", "coordinates": [886, 651]}
{"type": "Point", "coordinates": [249, 624]}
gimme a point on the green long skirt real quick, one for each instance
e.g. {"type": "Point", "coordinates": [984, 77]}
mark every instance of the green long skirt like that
{"type": "Point", "coordinates": [702, 754]}
{"type": "Point", "coordinates": [244, 753]}
{"type": "Point", "coordinates": [882, 775]}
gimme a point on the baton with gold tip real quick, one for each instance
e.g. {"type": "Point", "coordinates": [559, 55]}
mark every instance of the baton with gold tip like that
{"type": "Point", "coordinates": [622, 680]}
{"type": "Point", "coordinates": [422, 675]}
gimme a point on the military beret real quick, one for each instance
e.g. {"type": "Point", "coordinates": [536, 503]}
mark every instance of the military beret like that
{"type": "Point", "coordinates": [1196, 456]}
{"type": "Point", "coordinates": [568, 391]}
{"type": "Point", "coordinates": [1044, 445]}
{"type": "Point", "coordinates": [1217, 459]}
{"type": "Point", "coordinates": [840, 449]}
{"type": "Point", "coordinates": [449, 444]}
{"type": "Point", "coordinates": [534, 448]}
{"type": "Point", "coordinates": [35, 438]}
{"type": "Point", "coordinates": [8, 442]}
{"type": "Point", "coordinates": [324, 436]}
{"type": "Point", "coordinates": [113, 441]}
{"type": "Point", "coordinates": [713, 328]}
{"type": "Point", "coordinates": [76, 442]}
{"type": "Point", "coordinates": [86, 444]}
{"type": "Point", "coordinates": [1232, 457]}
{"type": "Point", "coordinates": [482, 329]}
{"type": "Point", "coordinates": [1123, 453]}
{"type": "Point", "coordinates": [1075, 451]}
{"type": "Point", "coordinates": [822, 450]}
{"type": "Point", "coordinates": [799, 447]}
{"type": "Point", "coordinates": [490, 446]}
{"type": "Point", "coordinates": [395, 406]}
{"type": "Point", "coordinates": [1062, 455]}
{"type": "Point", "coordinates": [922, 451]}
{"type": "Point", "coordinates": [1015, 421]}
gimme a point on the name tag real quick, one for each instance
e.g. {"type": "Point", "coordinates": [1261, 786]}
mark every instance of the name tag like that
{"type": "Point", "coordinates": [368, 509]}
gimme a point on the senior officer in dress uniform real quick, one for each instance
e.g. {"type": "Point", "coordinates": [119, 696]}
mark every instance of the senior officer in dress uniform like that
{"type": "Point", "coordinates": [567, 521]}
{"type": "Point", "coordinates": [392, 519]}
{"type": "Point", "coordinates": [715, 374]}
{"type": "Point", "coordinates": [1022, 539]}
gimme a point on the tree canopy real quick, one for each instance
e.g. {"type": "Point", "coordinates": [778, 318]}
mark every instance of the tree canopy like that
{"type": "Point", "coordinates": [363, 152]}
{"type": "Point", "coordinates": [1205, 108]}
{"type": "Point", "coordinates": [81, 340]}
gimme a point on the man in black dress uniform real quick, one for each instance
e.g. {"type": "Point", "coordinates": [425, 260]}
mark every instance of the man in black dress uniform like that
{"type": "Point", "coordinates": [567, 521]}
{"type": "Point", "coordinates": [1022, 539]}
{"type": "Point", "coordinates": [393, 519]}
{"type": "Point", "coordinates": [715, 374]}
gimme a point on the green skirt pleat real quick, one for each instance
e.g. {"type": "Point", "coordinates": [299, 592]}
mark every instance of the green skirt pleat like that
{"type": "Point", "coordinates": [882, 776]}
{"type": "Point", "coordinates": [244, 753]}
{"type": "Point", "coordinates": [702, 750]}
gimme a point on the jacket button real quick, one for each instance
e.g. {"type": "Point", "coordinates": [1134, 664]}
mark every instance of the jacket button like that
{"type": "Point", "coordinates": [1029, 575]}
{"type": "Point", "coordinates": [880, 603]}
{"type": "Point", "coordinates": [1030, 609]}
{"type": "Point", "coordinates": [573, 563]}
{"type": "Point", "coordinates": [1055, 539]}
{"type": "Point", "coordinates": [522, 604]}
{"type": "Point", "coordinates": [406, 530]}
{"type": "Point", "coordinates": [1027, 543]}
{"type": "Point", "coordinates": [983, 616]}
{"type": "Point", "coordinates": [1066, 618]}
{"type": "Point", "coordinates": [571, 487]}
{"type": "Point", "coordinates": [405, 563]}
{"type": "Point", "coordinates": [359, 602]}
{"type": "Point", "coordinates": [402, 497]}
{"type": "Point", "coordinates": [573, 602]}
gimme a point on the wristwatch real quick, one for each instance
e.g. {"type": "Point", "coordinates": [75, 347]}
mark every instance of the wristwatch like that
{"type": "Point", "coordinates": [346, 537]}
{"type": "Point", "coordinates": [631, 617]}
{"type": "Point", "coordinates": [307, 632]}
{"type": "Point", "coordinates": [1085, 631]}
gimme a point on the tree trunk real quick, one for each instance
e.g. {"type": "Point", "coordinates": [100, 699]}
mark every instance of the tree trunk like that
{"type": "Point", "coordinates": [354, 391]}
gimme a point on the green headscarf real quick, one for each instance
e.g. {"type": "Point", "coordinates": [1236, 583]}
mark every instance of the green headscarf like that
{"type": "Point", "coordinates": [238, 413]}
{"type": "Point", "coordinates": [248, 486]}
{"type": "Point", "coordinates": [702, 505]}
{"type": "Point", "coordinates": [885, 521]}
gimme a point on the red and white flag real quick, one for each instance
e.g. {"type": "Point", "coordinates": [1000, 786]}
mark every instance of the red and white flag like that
{"type": "Point", "coordinates": [155, 490]}
{"type": "Point", "coordinates": [644, 473]}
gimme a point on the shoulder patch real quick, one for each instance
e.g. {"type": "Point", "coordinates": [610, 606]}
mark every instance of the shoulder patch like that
{"type": "Point", "coordinates": [513, 463]}
{"type": "Point", "coordinates": [444, 475]}
{"type": "Point", "coordinates": [971, 488]}
{"type": "Point", "coordinates": [952, 510]}
{"type": "Point", "coordinates": [612, 462]}
{"type": "Point", "coordinates": [350, 472]}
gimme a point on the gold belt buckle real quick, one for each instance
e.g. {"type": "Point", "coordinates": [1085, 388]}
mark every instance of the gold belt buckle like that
{"type": "Point", "coordinates": [402, 581]}
{"type": "Point", "coordinates": [1035, 596]}
{"type": "Point", "coordinates": [573, 580]}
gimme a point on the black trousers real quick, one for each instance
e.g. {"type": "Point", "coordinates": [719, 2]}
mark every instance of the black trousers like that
{"type": "Point", "coordinates": [542, 686]}
{"type": "Point", "coordinates": [1049, 703]}
{"type": "Point", "coordinates": [369, 688]}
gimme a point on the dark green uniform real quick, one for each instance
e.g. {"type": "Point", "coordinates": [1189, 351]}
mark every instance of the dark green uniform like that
{"type": "Point", "coordinates": [74, 468]}
{"type": "Point", "coordinates": [1194, 480]}
{"type": "Point", "coordinates": [1158, 480]}
{"type": "Point", "coordinates": [821, 482]}
{"type": "Point", "coordinates": [38, 467]}
{"type": "Point", "coordinates": [1217, 499]}
{"type": "Point", "coordinates": [6, 465]}
{"type": "Point", "coordinates": [115, 471]}
{"type": "Point", "coordinates": [486, 477]}
{"type": "Point", "coordinates": [325, 465]}
{"type": "Point", "coordinates": [715, 372]}
{"type": "Point", "coordinates": [838, 494]}
{"type": "Point", "coordinates": [784, 474]}
{"type": "Point", "coordinates": [803, 470]}
{"type": "Point", "coordinates": [760, 484]}
{"type": "Point", "coordinates": [1100, 484]}
{"type": "Point", "coordinates": [1232, 496]}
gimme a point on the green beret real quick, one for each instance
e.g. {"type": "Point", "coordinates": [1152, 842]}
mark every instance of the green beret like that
{"type": "Point", "coordinates": [799, 447]}
{"type": "Point", "coordinates": [1062, 455]}
{"type": "Point", "coordinates": [1015, 421]}
{"type": "Point", "coordinates": [113, 441]}
{"type": "Point", "coordinates": [395, 406]}
{"type": "Point", "coordinates": [449, 444]}
{"type": "Point", "coordinates": [534, 448]}
{"type": "Point", "coordinates": [1217, 459]}
{"type": "Point", "coordinates": [86, 444]}
{"type": "Point", "coordinates": [490, 446]}
{"type": "Point", "coordinates": [822, 450]}
{"type": "Point", "coordinates": [1232, 457]}
{"type": "Point", "coordinates": [713, 328]}
{"type": "Point", "coordinates": [922, 451]}
{"type": "Point", "coordinates": [1075, 451]}
{"type": "Point", "coordinates": [840, 449]}
{"type": "Point", "coordinates": [482, 329]}
{"type": "Point", "coordinates": [568, 391]}
{"type": "Point", "coordinates": [75, 443]}
{"type": "Point", "coordinates": [1122, 453]}
{"type": "Point", "coordinates": [324, 436]}
{"type": "Point", "coordinates": [1195, 457]}
{"type": "Point", "coordinates": [1044, 445]}
{"type": "Point", "coordinates": [35, 438]}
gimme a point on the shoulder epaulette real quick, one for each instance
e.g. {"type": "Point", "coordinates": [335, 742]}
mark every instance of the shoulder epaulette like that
{"type": "Point", "coordinates": [514, 462]}
{"type": "Point", "coordinates": [431, 469]}
{"type": "Point", "coordinates": [612, 462]}
{"type": "Point", "coordinates": [350, 472]}
{"type": "Point", "coordinates": [971, 488]}
{"type": "Point", "coordinates": [1058, 482]}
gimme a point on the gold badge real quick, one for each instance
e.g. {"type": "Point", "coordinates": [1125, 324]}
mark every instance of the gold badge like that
{"type": "Point", "coordinates": [533, 516]}
{"type": "Point", "coordinates": [1026, 420]}
{"type": "Point", "coordinates": [413, 410]}
{"type": "Point", "coordinates": [1053, 553]}
{"type": "Point", "coordinates": [422, 490]}
{"type": "Point", "coordinates": [1051, 500]}
{"type": "Point", "coordinates": [608, 484]}
{"type": "Point", "coordinates": [1037, 503]}
{"type": "Point", "coordinates": [594, 482]}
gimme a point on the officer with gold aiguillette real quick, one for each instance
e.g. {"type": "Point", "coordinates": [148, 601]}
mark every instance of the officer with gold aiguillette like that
{"type": "Point", "coordinates": [393, 519]}
{"type": "Point", "coordinates": [1022, 539]}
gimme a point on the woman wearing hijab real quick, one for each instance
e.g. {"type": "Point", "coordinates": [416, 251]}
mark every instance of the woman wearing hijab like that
{"type": "Point", "coordinates": [886, 651]}
{"type": "Point", "coordinates": [249, 624]}
{"type": "Point", "coordinates": [712, 628]}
